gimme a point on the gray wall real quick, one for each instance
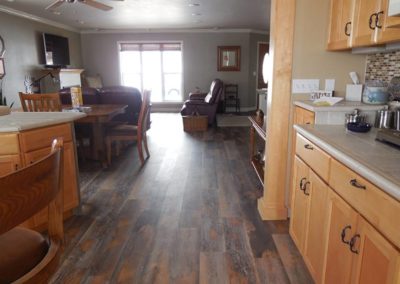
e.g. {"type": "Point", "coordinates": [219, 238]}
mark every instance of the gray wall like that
{"type": "Point", "coordinates": [24, 48]}
{"type": "Point", "coordinates": [100, 56]}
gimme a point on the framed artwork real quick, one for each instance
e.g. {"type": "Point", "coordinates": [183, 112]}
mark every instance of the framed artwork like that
{"type": "Point", "coordinates": [2, 68]}
{"type": "Point", "coordinates": [228, 58]}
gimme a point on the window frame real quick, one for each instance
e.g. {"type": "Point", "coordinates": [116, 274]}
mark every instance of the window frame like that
{"type": "Point", "coordinates": [160, 42]}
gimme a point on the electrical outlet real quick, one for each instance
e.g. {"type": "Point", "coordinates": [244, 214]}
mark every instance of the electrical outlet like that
{"type": "Point", "coordinates": [305, 86]}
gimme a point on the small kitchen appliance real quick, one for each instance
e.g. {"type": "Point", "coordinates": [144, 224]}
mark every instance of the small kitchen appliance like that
{"type": "Point", "coordinates": [389, 135]}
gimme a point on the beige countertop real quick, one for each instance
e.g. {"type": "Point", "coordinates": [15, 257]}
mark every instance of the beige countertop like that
{"type": "Point", "coordinates": [340, 106]}
{"type": "Point", "coordinates": [374, 160]}
{"type": "Point", "coordinates": [19, 121]}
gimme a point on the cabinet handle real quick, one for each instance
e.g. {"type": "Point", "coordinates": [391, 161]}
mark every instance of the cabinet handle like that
{"type": "Point", "coordinates": [16, 167]}
{"type": "Point", "coordinates": [353, 242]}
{"type": "Point", "coordinates": [302, 183]}
{"type": "Point", "coordinates": [377, 20]}
{"type": "Point", "coordinates": [309, 147]}
{"type": "Point", "coordinates": [371, 21]}
{"type": "Point", "coordinates": [343, 234]}
{"type": "Point", "coordinates": [305, 188]}
{"type": "Point", "coordinates": [355, 183]}
{"type": "Point", "coordinates": [346, 27]}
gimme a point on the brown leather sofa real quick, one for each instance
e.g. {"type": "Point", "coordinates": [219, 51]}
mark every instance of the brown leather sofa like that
{"type": "Point", "coordinates": [110, 95]}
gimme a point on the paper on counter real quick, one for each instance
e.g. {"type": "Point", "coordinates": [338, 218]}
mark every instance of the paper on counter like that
{"type": "Point", "coordinates": [327, 101]}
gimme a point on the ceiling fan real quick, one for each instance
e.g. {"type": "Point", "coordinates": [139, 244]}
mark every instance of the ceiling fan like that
{"type": "Point", "coordinates": [91, 3]}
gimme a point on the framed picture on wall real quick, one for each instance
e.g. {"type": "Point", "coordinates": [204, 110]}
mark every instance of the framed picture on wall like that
{"type": "Point", "coordinates": [2, 68]}
{"type": "Point", "coordinates": [228, 58]}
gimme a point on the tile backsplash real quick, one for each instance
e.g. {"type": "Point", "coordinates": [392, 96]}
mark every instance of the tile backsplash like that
{"type": "Point", "coordinates": [383, 66]}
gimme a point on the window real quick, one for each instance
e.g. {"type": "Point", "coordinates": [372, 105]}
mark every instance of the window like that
{"type": "Point", "coordinates": [154, 66]}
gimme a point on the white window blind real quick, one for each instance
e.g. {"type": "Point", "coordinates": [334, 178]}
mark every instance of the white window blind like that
{"type": "Point", "coordinates": [155, 66]}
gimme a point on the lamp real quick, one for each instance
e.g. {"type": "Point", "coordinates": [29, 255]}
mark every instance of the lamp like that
{"type": "Point", "coordinates": [265, 68]}
{"type": "Point", "coordinates": [37, 81]}
{"type": "Point", "coordinates": [30, 83]}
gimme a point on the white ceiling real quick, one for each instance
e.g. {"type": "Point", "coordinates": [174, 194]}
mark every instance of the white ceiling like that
{"type": "Point", "coordinates": [153, 14]}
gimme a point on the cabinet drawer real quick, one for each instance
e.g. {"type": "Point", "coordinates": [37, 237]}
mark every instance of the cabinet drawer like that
{"type": "Point", "coordinates": [381, 210]}
{"type": "Point", "coordinates": [9, 144]}
{"type": "Point", "coordinates": [317, 159]}
{"type": "Point", "coordinates": [42, 138]}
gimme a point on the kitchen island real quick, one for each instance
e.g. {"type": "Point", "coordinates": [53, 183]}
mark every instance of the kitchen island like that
{"type": "Point", "coordinates": [26, 137]}
{"type": "Point", "coordinates": [346, 205]}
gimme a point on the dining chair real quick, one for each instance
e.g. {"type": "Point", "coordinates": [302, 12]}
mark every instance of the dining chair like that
{"type": "Point", "coordinates": [40, 102]}
{"type": "Point", "coordinates": [26, 255]}
{"type": "Point", "coordinates": [129, 132]}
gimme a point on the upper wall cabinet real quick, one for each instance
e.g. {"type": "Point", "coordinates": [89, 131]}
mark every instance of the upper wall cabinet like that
{"type": "Point", "coordinates": [340, 24]}
{"type": "Point", "coordinates": [356, 23]}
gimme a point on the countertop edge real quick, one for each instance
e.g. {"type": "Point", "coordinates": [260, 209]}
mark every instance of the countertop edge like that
{"type": "Point", "coordinates": [44, 123]}
{"type": "Point", "coordinates": [386, 185]}
{"type": "Point", "coordinates": [335, 108]}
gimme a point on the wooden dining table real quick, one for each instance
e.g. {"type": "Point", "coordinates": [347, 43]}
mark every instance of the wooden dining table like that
{"type": "Point", "coordinates": [99, 117]}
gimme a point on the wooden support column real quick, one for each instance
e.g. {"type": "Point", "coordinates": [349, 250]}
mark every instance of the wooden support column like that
{"type": "Point", "coordinates": [272, 205]}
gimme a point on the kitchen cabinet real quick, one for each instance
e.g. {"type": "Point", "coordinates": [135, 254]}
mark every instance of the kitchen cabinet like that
{"type": "Point", "coordinates": [356, 23]}
{"type": "Point", "coordinates": [25, 147]}
{"type": "Point", "coordinates": [307, 227]}
{"type": "Point", "coordinates": [10, 159]}
{"type": "Point", "coordinates": [342, 224]}
{"type": "Point", "coordinates": [340, 24]}
{"type": "Point", "coordinates": [303, 116]}
{"type": "Point", "coordinates": [356, 251]}
{"type": "Point", "coordinates": [9, 164]}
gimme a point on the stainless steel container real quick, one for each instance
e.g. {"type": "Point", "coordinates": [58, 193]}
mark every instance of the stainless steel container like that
{"type": "Point", "coordinates": [354, 117]}
{"type": "Point", "coordinates": [384, 118]}
{"type": "Point", "coordinates": [396, 121]}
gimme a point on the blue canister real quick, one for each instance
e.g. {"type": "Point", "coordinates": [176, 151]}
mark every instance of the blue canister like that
{"type": "Point", "coordinates": [375, 95]}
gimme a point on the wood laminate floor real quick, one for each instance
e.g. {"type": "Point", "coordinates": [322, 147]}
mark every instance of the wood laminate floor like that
{"type": "Point", "coordinates": [188, 216]}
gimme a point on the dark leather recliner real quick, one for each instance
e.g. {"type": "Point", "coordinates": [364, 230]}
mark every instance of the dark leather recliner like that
{"type": "Point", "coordinates": [205, 103]}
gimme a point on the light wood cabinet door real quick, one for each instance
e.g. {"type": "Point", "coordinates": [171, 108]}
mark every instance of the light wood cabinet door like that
{"type": "Point", "coordinates": [300, 201]}
{"type": "Point", "coordinates": [364, 30]}
{"type": "Point", "coordinates": [316, 226]}
{"type": "Point", "coordinates": [340, 24]}
{"type": "Point", "coordinates": [389, 27]}
{"type": "Point", "coordinates": [375, 259]}
{"type": "Point", "coordinates": [9, 164]}
{"type": "Point", "coordinates": [71, 195]}
{"type": "Point", "coordinates": [303, 116]}
{"type": "Point", "coordinates": [342, 224]}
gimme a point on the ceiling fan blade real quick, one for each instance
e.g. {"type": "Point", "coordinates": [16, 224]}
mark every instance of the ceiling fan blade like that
{"type": "Point", "coordinates": [96, 4]}
{"type": "Point", "coordinates": [55, 5]}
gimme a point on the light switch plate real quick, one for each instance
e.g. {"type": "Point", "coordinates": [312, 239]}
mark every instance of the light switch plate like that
{"type": "Point", "coordinates": [329, 84]}
{"type": "Point", "coordinates": [305, 86]}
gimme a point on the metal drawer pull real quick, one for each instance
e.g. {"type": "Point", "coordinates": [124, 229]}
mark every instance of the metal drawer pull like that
{"type": "Point", "coordinates": [302, 183]}
{"type": "Point", "coordinates": [305, 188]}
{"type": "Point", "coordinates": [372, 21]}
{"type": "Point", "coordinates": [355, 183]}
{"type": "Point", "coordinates": [346, 29]}
{"type": "Point", "coordinates": [353, 242]}
{"type": "Point", "coordinates": [309, 147]}
{"type": "Point", "coordinates": [343, 235]}
{"type": "Point", "coordinates": [377, 19]}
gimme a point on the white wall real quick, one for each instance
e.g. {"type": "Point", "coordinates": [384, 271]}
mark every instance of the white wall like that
{"type": "Point", "coordinates": [100, 56]}
{"type": "Point", "coordinates": [24, 51]}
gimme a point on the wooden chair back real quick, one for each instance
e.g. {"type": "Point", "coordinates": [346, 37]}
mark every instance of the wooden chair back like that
{"type": "Point", "coordinates": [29, 190]}
{"type": "Point", "coordinates": [144, 113]}
{"type": "Point", "coordinates": [40, 102]}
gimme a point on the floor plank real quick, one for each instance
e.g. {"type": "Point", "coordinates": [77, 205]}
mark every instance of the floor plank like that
{"type": "Point", "coordinates": [189, 215]}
